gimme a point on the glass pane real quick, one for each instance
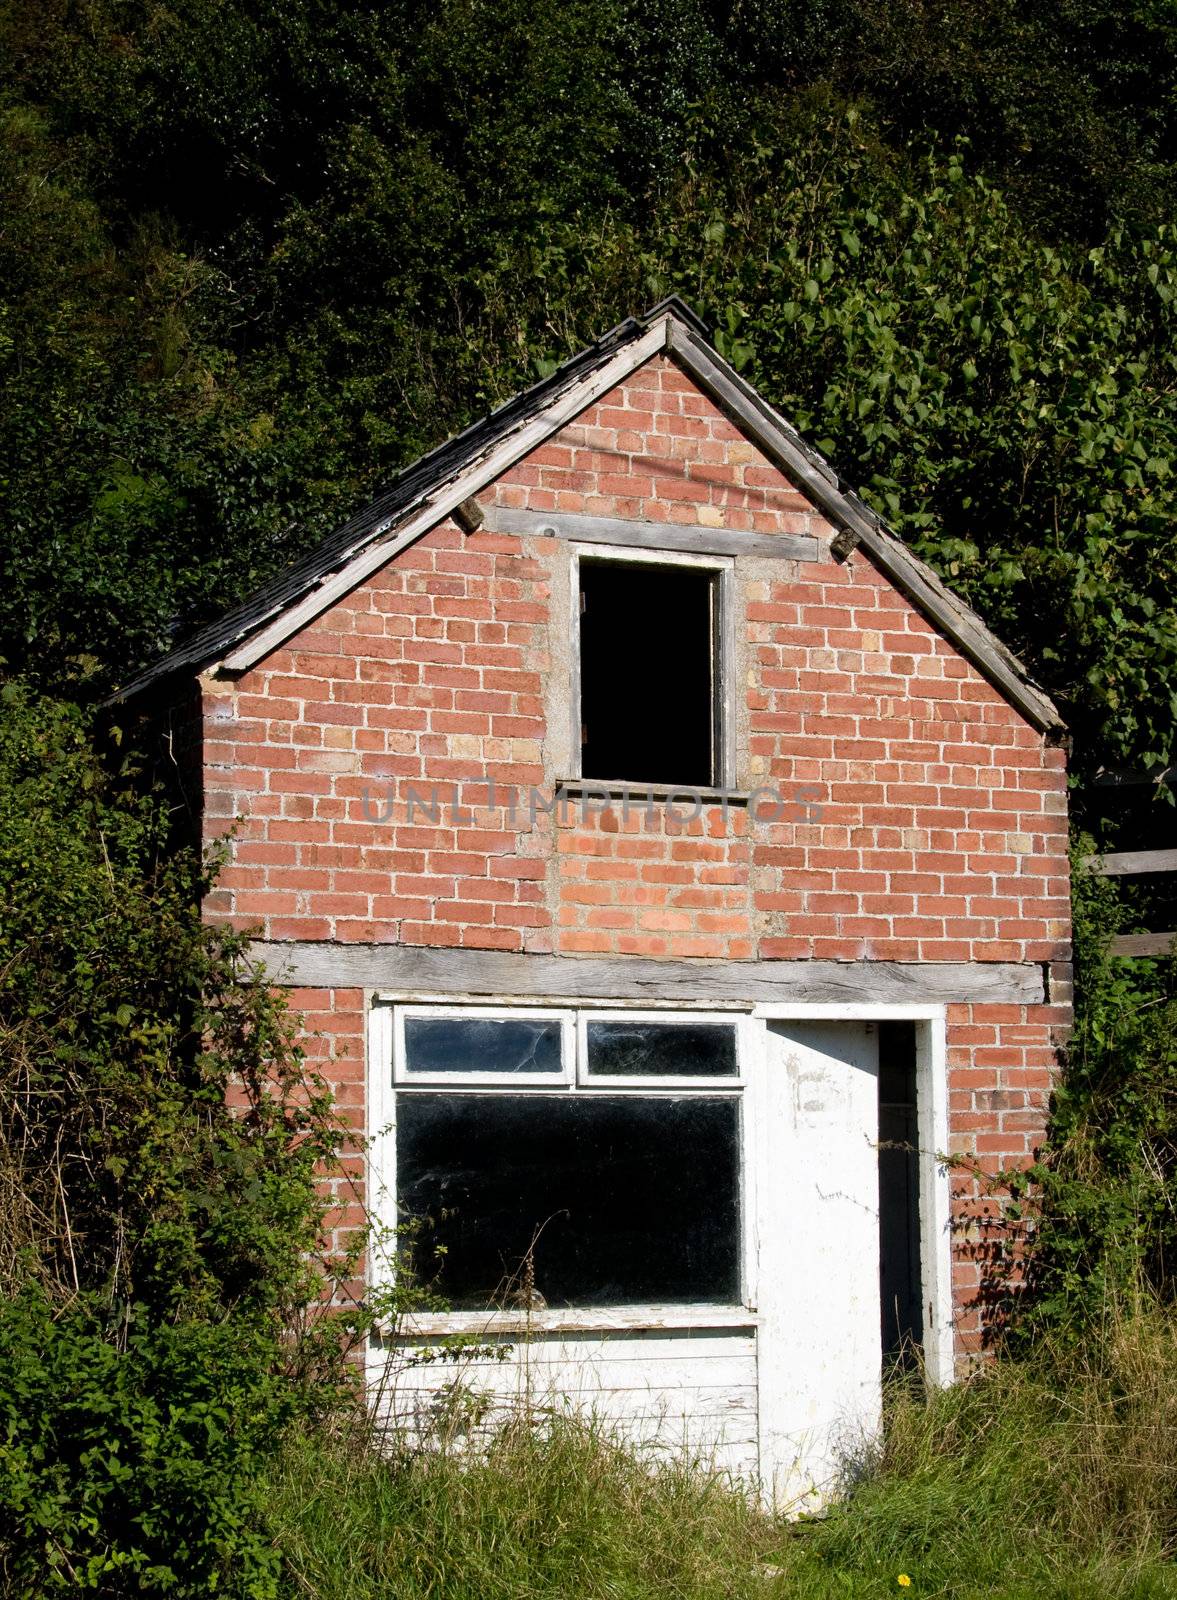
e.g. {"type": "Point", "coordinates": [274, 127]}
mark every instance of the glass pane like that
{"type": "Point", "coordinates": [662, 1049]}
{"type": "Point", "coordinates": [482, 1044]}
{"type": "Point", "coordinates": [620, 1200]}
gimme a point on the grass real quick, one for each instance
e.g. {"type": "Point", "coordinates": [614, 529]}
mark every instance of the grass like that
{"type": "Point", "coordinates": [1050, 1480]}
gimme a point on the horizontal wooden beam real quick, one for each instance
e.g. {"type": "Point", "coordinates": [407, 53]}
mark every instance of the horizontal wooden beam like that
{"type": "Point", "coordinates": [1143, 944]}
{"type": "Point", "coordinates": [601, 1322]}
{"type": "Point", "coordinates": [411, 970]}
{"type": "Point", "coordinates": [652, 535]}
{"type": "Point", "coordinates": [1132, 863]}
{"type": "Point", "coordinates": [1110, 778]}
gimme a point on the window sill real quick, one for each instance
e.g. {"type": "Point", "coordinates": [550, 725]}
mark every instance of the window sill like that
{"type": "Point", "coordinates": [619, 1319]}
{"type": "Point", "coordinates": [680, 794]}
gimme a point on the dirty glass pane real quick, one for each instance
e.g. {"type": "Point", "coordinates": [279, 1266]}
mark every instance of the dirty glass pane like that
{"type": "Point", "coordinates": [620, 1200]}
{"type": "Point", "coordinates": [662, 1049]}
{"type": "Point", "coordinates": [482, 1044]}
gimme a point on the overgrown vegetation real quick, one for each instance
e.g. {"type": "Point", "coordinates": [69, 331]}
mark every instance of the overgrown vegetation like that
{"type": "Point", "coordinates": [255, 256]}
{"type": "Point", "coordinates": [159, 1220]}
{"type": "Point", "coordinates": [1104, 1212]}
{"type": "Point", "coordinates": [1051, 1478]}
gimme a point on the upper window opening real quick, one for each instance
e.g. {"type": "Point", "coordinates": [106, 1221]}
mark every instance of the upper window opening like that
{"type": "Point", "coordinates": [649, 680]}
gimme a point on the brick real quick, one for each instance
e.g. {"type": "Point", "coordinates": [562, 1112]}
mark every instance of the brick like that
{"type": "Point", "coordinates": [938, 832]}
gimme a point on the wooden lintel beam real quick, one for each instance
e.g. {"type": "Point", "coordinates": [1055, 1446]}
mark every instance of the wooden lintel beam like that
{"type": "Point", "coordinates": [653, 535]}
{"type": "Point", "coordinates": [411, 970]}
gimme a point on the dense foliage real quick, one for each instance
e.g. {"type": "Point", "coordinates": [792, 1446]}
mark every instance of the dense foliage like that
{"type": "Point", "coordinates": [1103, 1228]}
{"type": "Point", "coordinates": [257, 256]}
{"type": "Point", "coordinates": [159, 1220]}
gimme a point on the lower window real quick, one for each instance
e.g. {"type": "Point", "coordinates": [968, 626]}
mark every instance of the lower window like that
{"type": "Point", "coordinates": [581, 1195]}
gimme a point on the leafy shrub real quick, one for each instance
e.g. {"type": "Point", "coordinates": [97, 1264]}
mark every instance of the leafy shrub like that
{"type": "Point", "coordinates": [131, 1466]}
{"type": "Point", "coordinates": [159, 1145]}
{"type": "Point", "coordinates": [1104, 1228]}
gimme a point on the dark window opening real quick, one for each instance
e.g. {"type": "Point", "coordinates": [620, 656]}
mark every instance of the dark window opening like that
{"type": "Point", "coordinates": [661, 1049]}
{"type": "Point", "coordinates": [482, 1044]}
{"type": "Point", "coordinates": [648, 679]}
{"type": "Point", "coordinates": [619, 1200]}
{"type": "Point", "coordinates": [899, 1192]}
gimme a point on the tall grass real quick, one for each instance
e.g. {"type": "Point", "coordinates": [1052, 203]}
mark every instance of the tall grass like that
{"type": "Point", "coordinates": [556, 1511]}
{"type": "Point", "coordinates": [1050, 1479]}
{"type": "Point", "coordinates": [1053, 1474]}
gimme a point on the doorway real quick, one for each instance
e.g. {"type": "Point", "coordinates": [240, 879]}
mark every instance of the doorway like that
{"type": "Point", "coordinates": [853, 1264]}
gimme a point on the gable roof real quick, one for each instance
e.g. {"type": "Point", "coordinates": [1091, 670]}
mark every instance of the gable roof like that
{"type": "Point", "coordinates": [430, 490]}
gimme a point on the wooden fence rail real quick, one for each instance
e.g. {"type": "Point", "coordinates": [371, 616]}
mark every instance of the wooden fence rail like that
{"type": "Point", "coordinates": [1135, 864]}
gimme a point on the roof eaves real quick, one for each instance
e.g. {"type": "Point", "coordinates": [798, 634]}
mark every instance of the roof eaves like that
{"type": "Point", "coordinates": [427, 491]}
{"type": "Point", "coordinates": [410, 491]}
{"type": "Point", "coordinates": [474, 473]}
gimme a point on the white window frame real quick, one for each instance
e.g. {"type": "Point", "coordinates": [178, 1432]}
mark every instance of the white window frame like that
{"type": "Point", "coordinates": [404, 1079]}
{"type": "Point", "coordinates": [386, 1081]}
{"type": "Point", "coordinates": [722, 661]}
{"type": "Point", "coordinates": [710, 1083]}
{"type": "Point", "coordinates": [756, 1161]}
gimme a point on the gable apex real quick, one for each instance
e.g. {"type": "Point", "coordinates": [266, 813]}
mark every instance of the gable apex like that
{"type": "Point", "coordinates": [675, 306]}
{"type": "Point", "coordinates": [434, 488]}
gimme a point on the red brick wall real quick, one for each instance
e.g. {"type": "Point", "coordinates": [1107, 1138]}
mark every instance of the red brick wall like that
{"type": "Point", "coordinates": [428, 674]}
{"type": "Point", "coordinates": [924, 820]}
{"type": "Point", "coordinates": [333, 1039]}
{"type": "Point", "coordinates": [1001, 1065]}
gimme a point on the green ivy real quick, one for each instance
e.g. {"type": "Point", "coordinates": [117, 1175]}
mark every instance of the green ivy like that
{"type": "Point", "coordinates": [1010, 406]}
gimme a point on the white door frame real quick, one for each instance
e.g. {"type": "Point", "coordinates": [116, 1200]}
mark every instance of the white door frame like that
{"type": "Point", "coordinates": [935, 1193]}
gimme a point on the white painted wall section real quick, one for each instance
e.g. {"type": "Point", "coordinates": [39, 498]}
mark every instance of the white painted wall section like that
{"type": "Point", "coordinates": [690, 1393]}
{"type": "Point", "coordinates": [782, 1391]}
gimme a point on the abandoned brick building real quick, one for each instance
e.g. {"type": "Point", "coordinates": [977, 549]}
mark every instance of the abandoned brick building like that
{"type": "Point", "coordinates": [669, 869]}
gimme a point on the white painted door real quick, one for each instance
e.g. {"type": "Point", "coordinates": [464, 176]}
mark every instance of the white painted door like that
{"type": "Point", "coordinates": [817, 1215]}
